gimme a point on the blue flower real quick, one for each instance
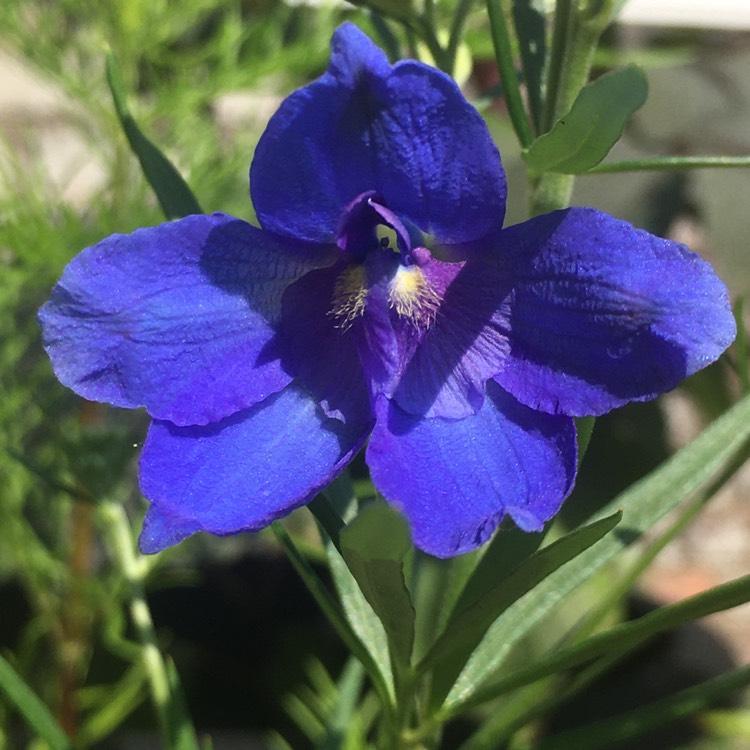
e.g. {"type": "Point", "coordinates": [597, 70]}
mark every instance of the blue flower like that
{"type": "Point", "coordinates": [380, 299]}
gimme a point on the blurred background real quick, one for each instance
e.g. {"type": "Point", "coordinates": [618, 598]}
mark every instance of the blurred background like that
{"type": "Point", "coordinates": [203, 77]}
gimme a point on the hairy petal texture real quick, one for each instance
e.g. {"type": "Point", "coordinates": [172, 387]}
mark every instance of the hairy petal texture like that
{"type": "Point", "coordinates": [178, 318]}
{"type": "Point", "coordinates": [456, 480]}
{"type": "Point", "coordinates": [242, 473]}
{"type": "Point", "coordinates": [445, 367]}
{"type": "Point", "coordinates": [317, 350]}
{"type": "Point", "coordinates": [404, 131]}
{"type": "Point", "coordinates": [603, 313]}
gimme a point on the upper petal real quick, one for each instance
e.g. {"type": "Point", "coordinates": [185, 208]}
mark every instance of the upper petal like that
{"type": "Point", "coordinates": [178, 318]}
{"type": "Point", "coordinates": [404, 131]}
{"type": "Point", "coordinates": [603, 313]}
{"type": "Point", "coordinates": [244, 472]}
{"type": "Point", "coordinates": [456, 480]}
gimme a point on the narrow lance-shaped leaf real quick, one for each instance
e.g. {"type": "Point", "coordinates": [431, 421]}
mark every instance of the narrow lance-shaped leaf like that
{"type": "Point", "coordinates": [181, 731]}
{"type": "Point", "coordinates": [468, 624]}
{"type": "Point", "coordinates": [360, 615]}
{"type": "Point", "coordinates": [614, 731]}
{"type": "Point", "coordinates": [624, 637]}
{"type": "Point", "coordinates": [175, 197]}
{"type": "Point", "coordinates": [31, 707]}
{"type": "Point", "coordinates": [343, 719]}
{"type": "Point", "coordinates": [331, 609]}
{"type": "Point", "coordinates": [643, 504]}
{"type": "Point", "coordinates": [374, 546]}
{"type": "Point", "coordinates": [583, 137]}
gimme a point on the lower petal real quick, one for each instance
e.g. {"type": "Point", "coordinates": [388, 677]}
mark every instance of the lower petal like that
{"type": "Point", "coordinates": [446, 367]}
{"type": "Point", "coordinates": [456, 480]}
{"type": "Point", "coordinates": [242, 473]}
{"type": "Point", "coordinates": [603, 313]}
{"type": "Point", "coordinates": [179, 318]}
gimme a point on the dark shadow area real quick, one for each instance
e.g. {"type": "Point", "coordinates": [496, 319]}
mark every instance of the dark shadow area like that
{"type": "Point", "coordinates": [677, 660]}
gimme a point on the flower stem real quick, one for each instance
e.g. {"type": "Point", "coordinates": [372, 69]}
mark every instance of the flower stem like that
{"type": "Point", "coordinates": [578, 26]}
{"type": "Point", "coordinates": [560, 34]}
{"type": "Point", "coordinates": [508, 76]}
{"type": "Point", "coordinates": [673, 162]}
{"type": "Point", "coordinates": [457, 29]}
{"type": "Point", "coordinates": [121, 543]}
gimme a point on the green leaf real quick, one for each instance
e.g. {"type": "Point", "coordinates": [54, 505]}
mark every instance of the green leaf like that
{"type": "Point", "coordinates": [114, 703]}
{"type": "Point", "coordinates": [331, 609]}
{"type": "Point", "coordinates": [584, 430]}
{"type": "Point", "coordinates": [612, 732]}
{"type": "Point", "coordinates": [624, 637]}
{"type": "Point", "coordinates": [374, 546]}
{"type": "Point", "coordinates": [175, 197]}
{"type": "Point", "coordinates": [181, 732]}
{"type": "Point", "coordinates": [360, 615]}
{"type": "Point", "coordinates": [509, 548]}
{"type": "Point", "coordinates": [344, 714]}
{"type": "Point", "coordinates": [344, 503]}
{"type": "Point", "coordinates": [470, 621]}
{"type": "Point", "coordinates": [31, 707]}
{"type": "Point", "coordinates": [583, 137]}
{"type": "Point", "coordinates": [722, 444]}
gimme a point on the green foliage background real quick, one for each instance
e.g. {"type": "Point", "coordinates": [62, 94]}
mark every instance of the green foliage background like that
{"type": "Point", "coordinates": [60, 458]}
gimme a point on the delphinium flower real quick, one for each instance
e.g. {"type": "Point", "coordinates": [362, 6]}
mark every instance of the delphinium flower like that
{"type": "Point", "coordinates": [380, 303]}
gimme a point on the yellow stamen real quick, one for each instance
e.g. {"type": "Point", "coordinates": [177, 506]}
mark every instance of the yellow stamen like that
{"type": "Point", "coordinates": [413, 297]}
{"type": "Point", "coordinates": [349, 293]}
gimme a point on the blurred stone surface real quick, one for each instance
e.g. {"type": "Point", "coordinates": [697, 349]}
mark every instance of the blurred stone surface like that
{"type": "Point", "coordinates": [43, 137]}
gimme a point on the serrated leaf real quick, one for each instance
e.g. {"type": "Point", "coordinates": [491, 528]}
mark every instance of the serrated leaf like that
{"type": "Point", "coordinates": [175, 197]}
{"type": "Point", "coordinates": [584, 136]}
{"type": "Point", "coordinates": [374, 546]}
{"type": "Point", "coordinates": [721, 445]}
{"type": "Point", "coordinates": [469, 623]}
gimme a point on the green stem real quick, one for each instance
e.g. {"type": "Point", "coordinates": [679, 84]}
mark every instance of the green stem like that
{"type": "Point", "coordinates": [120, 538]}
{"type": "Point", "coordinates": [560, 34]}
{"type": "Point", "coordinates": [508, 76]}
{"type": "Point", "coordinates": [673, 162]}
{"type": "Point", "coordinates": [457, 29]}
{"type": "Point", "coordinates": [439, 55]}
{"type": "Point", "coordinates": [576, 35]}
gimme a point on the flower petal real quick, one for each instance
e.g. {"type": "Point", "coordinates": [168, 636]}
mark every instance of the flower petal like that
{"type": "Point", "coordinates": [242, 473]}
{"type": "Point", "coordinates": [404, 131]}
{"type": "Point", "coordinates": [604, 313]}
{"type": "Point", "coordinates": [445, 371]}
{"type": "Point", "coordinates": [319, 351]}
{"type": "Point", "coordinates": [177, 318]}
{"type": "Point", "coordinates": [455, 480]}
